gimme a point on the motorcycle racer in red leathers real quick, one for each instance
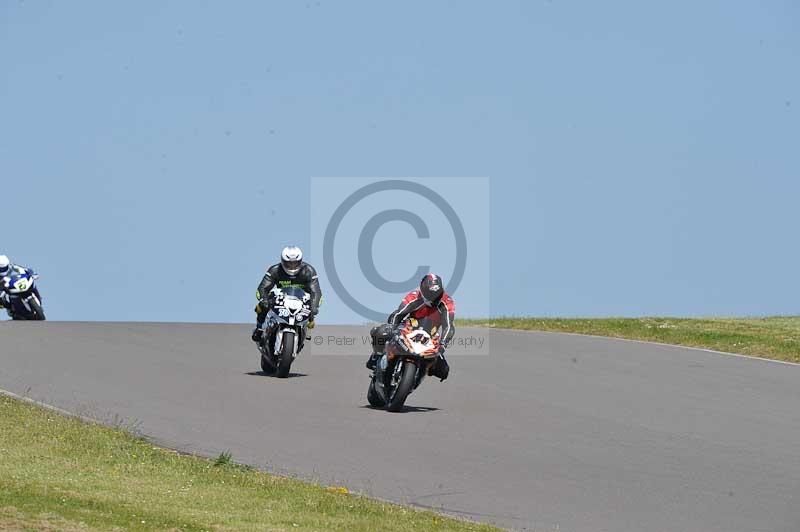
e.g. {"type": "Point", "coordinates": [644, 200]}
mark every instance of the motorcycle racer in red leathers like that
{"type": "Point", "coordinates": [429, 301]}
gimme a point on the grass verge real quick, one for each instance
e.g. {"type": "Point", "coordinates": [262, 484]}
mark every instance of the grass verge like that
{"type": "Point", "coordinates": [776, 338]}
{"type": "Point", "coordinates": [60, 473]}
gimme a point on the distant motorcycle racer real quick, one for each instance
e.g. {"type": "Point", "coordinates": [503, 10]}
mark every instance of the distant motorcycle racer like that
{"type": "Point", "coordinates": [429, 301]}
{"type": "Point", "coordinates": [7, 269]}
{"type": "Point", "coordinates": [290, 271]}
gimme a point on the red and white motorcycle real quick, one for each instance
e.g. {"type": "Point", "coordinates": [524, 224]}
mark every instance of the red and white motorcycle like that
{"type": "Point", "coordinates": [409, 355]}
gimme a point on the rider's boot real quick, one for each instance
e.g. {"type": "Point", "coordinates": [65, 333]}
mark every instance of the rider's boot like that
{"type": "Point", "coordinates": [258, 332]}
{"type": "Point", "coordinates": [373, 360]}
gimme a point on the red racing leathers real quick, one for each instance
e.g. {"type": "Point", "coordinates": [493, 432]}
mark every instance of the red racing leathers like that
{"type": "Point", "coordinates": [442, 313]}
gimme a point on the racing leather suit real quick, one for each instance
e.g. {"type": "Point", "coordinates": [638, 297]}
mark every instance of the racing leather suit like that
{"type": "Point", "coordinates": [305, 278]}
{"type": "Point", "coordinates": [442, 313]}
{"type": "Point", "coordinates": [5, 301]}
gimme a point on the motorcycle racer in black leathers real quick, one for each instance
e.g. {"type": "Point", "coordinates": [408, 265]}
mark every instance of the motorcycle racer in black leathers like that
{"type": "Point", "coordinates": [290, 271]}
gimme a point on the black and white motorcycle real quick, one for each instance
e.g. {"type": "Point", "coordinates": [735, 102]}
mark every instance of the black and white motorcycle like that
{"type": "Point", "coordinates": [285, 329]}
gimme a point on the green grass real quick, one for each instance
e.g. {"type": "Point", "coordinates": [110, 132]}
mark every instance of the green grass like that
{"type": "Point", "coordinates": [60, 473]}
{"type": "Point", "coordinates": [777, 338]}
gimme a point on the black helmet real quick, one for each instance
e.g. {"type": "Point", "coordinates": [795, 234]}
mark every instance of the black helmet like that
{"type": "Point", "coordinates": [431, 287]}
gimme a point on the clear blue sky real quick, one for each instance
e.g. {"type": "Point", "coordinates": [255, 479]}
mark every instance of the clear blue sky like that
{"type": "Point", "coordinates": [644, 157]}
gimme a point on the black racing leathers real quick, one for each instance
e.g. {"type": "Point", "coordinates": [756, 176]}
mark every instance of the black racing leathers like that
{"type": "Point", "coordinates": [306, 279]}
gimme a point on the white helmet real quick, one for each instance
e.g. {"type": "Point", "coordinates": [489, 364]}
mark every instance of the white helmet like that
{"type": "Point", "coordinates": [291, 259]}
{"type": "Point", "coordinates": [5, 265]}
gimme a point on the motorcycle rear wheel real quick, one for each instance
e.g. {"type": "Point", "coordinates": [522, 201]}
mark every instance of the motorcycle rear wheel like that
{"type": "Point", "coordinates": [266, 367]}
{"type": "Point", "coordinates": [372, 395]}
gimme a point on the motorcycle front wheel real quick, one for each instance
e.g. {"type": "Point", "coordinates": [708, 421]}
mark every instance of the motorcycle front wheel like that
{"type": "Point", "coordinates": [36, 309]}
{"type": "Point", "coordinates": [406, 383]}
{"type": "Point", "coordinates": [287, 355]}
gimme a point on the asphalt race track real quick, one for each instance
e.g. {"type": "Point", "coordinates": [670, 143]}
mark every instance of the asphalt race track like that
{"type": "Point", "coordinates": [542, 431]}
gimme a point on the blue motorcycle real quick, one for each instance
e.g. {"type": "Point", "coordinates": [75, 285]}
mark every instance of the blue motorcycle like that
{"type": "Point", "coordinates": [24, 301]}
